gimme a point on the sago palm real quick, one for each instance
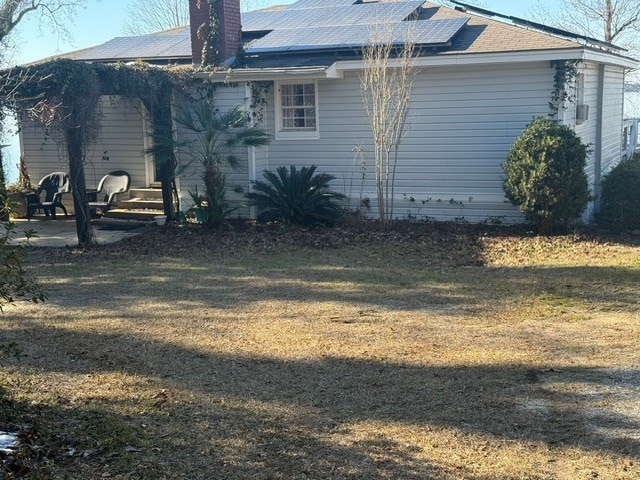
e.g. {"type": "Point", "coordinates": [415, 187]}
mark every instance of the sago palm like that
{"type": "Point", "coordinates": [296, 196]}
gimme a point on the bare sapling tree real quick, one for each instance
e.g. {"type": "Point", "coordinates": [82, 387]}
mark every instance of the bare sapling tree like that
{"type": "Point", "coordinates": [386, 83]}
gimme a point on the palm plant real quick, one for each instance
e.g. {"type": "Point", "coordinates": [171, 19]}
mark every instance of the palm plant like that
{"type": "Point", "coordinates": [218, 141]}
{"type": "Point", "coordinates": [296, 196]}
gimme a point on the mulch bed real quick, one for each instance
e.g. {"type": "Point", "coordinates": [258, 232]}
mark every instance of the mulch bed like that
{"type": "Point", "coordinates": [433, 243]}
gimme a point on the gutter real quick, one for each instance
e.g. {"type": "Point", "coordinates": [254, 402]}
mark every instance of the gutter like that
{"type": "Point", "coordinates": [506, 58]}
{"type": "Point", "coordinates": [257, 74]}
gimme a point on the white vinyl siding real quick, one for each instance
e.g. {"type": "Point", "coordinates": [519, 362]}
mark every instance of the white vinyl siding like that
{"type": "Point", "coordinates": [612, 118]}
{"type": "Point", "coordinates": [461, 125]}
{"type": "Point", "coordinates": [587, 130]}
{"type": "Point", "coordinates": [120, 146]}
{"type": "Point", "coordinates": [611, 122]}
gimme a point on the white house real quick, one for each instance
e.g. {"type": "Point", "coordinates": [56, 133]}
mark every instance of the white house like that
{"type": "Point", "coordinates": [482, 78]}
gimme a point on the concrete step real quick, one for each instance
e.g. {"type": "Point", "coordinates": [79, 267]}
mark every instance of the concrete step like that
{"type": "Point", "coordinates": [146, 193]}
{"type": "Point", "coordinates": [135, 214]}
{"type": "Point", "coordinates": [140, 204]}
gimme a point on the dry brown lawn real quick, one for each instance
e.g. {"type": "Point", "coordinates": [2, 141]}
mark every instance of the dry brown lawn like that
{"type": "Point", "coordinates": [373, 360]}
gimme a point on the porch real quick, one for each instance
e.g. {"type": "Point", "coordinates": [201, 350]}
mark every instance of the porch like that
{"type": "Point", "coordinates": [61, 231]}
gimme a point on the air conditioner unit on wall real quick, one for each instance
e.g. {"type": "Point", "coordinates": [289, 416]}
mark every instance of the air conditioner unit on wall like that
{"type": "Point", "coordinates": [582, 113]}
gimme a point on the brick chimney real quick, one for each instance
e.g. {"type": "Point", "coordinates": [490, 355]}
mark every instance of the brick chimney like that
{"type": "Point", "coordinates": [227, 12]}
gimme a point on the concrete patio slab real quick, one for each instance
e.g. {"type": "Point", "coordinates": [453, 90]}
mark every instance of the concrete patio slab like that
{"type": "Point", "coordinates": [61, 232]}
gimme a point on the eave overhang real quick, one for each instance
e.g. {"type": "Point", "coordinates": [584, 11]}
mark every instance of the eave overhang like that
{"type": "Point", "coordinates": [338, 68]}
{"type": "Point", "coordinates": [460, 59]}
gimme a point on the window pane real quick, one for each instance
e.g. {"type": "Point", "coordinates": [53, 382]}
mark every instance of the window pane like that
{"type": "Point", "coordinates": [287, 90]}
{"type": "Point", "coordinates": [310, 117]}
{"type": "Point", "coordinates": [298, 102]}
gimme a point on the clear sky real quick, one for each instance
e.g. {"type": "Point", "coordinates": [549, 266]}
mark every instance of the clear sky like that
{"type": "Point", "coordinates": [102, 20]}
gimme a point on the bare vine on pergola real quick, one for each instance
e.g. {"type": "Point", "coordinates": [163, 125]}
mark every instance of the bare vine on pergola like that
{"type": "Point", "coordinates": [64, 97]}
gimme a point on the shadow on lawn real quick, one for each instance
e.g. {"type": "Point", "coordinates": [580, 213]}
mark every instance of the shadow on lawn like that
{"type": "Point", "coordinates": [320, 276]}
{"type": "Point", "coordinates": [287, 414]}
{"type": "Point", "coordinates": [83, 442]}
{"type": "Point", "coordinates": [289, 419]}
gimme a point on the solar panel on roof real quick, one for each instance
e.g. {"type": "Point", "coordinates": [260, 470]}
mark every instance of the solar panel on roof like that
{"type": "Point", "coordinates": [435, 31]}
{"type": "Point", "coordinates": [180, 49]}
{"type": "Point", "coordinates": [421, 32]}
{"type": "Point", "coordinates": [257, 21]}
{"type": "Point", "coordinates": [332, 37]}
{"type": "Point", "coordinates": [324, 15]}
{"type": "Point", "coordinates": [312, 39]}
{"type": "Point", "coordinates": [304, 4]}
{"type": "Point", "coordinates": [148, 46]}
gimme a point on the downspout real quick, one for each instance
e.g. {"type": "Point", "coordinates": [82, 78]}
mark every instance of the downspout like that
{"type": "Point", "coordinates": [597, 170]}
{"type": "Point", "coordinates": [253, 214]}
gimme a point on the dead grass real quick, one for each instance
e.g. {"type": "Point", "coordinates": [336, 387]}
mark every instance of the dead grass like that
{"type": "Point", "coordinates": [316, 359]}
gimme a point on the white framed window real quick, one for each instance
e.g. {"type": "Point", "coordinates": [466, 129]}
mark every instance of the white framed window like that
{"type": "Point", "coordinates": [297, 110]}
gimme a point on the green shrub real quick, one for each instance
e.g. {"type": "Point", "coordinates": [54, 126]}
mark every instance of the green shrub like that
{"type": "Point", "coordinates": [296, 196]}
{"type": "Point", "coordinates": [15, 283]}
{"type": "Point", "coordinates": [620, 202]}
{"type": "Point", "coordinates": [545, 174]}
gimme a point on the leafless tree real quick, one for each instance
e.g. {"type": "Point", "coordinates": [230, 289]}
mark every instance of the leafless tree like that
{"type": "Point", "coordinates": [249, 5]}
{"type": "Point", "coordinates": [147, 16]}
{"type": "Point", "coordinates": [614, 21]}
{"type": "Point", "coordinates": [12, 13]}
{"type": "Point", "coordinates": [386, 83]}
{"type": "Point", "coordinates": [55, 12]}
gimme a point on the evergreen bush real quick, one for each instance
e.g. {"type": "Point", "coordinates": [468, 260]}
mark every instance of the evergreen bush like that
{"type": "Point", "coordinates": [544, 174]}
{"type": "Point", "coordinates": [620, 203]}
